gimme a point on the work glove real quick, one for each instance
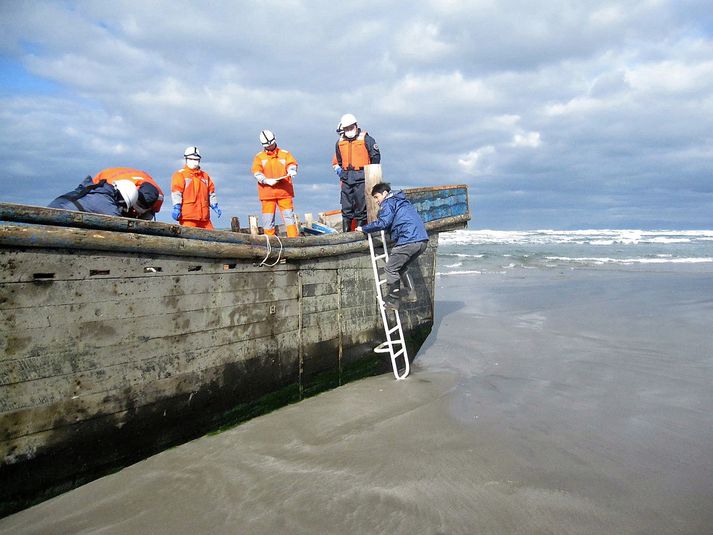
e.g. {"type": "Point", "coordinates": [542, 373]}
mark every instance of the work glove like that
{"type": "Point", "coordinates": [217, 210]}
{"type": "Point", "coordinates": [176, 213]}
{"type": "Point", "coordinates": [338, 170]}
{"type": "Point", "coordinates": [271, 181]}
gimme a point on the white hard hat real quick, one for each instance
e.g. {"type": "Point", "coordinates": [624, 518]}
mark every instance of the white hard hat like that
{"type": "Point", "coordinates": [267, 138]}
{"type": "Point", "coordinates": [347, 120]}
{"type": "Point", "coordinates": [128, 192]}
{"type": "Point", "coordinates": [192, 151]}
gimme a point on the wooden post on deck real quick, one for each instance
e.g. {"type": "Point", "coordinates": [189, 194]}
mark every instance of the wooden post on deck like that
{"type": "Point", "coordinates": [253, 225]}
{"type": "Point", "coordinates": [372, 176]}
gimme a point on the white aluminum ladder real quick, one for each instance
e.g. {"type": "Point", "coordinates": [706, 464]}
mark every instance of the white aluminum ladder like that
{"type": "Point", "coordinates": [395, 344]}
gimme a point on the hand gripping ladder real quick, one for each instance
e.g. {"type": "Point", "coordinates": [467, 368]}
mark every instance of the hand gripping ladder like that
{"type": "Point", "coordinates": [395, 344]}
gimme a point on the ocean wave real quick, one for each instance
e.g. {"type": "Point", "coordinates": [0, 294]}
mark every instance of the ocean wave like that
{"type": "Point", "coordinates": [594, 237]}
{"type": "Point", "coordinates": [465, 272]}
{"type": "Point", "coordinates": [461, 255]}
{"type": "Point", "coordinates": [607, 260]}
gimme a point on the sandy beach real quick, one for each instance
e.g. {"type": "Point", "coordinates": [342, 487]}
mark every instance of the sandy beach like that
{"type": "Point", "coordinates": [562, 402]}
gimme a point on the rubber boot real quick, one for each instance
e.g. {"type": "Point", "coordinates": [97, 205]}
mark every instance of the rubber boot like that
{"type": "Point", "coordinates": [346, 224]}
{"type": "Point", "coordinates": [393, 297]}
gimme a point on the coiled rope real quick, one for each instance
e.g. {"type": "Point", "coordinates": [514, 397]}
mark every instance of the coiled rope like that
{"type": "Point", "coordinates": [269, 251]}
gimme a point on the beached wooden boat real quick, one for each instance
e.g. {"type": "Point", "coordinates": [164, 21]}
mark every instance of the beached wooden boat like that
{"type": "Point", "coordinates": [123, 337]}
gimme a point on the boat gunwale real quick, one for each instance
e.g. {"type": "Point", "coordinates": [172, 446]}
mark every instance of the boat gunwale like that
{"type": "Point", "coordinates": [36, 226]}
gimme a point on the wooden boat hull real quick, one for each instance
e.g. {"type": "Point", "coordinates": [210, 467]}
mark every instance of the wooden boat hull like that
{"type": "Point", "coordinates": [117, 345]}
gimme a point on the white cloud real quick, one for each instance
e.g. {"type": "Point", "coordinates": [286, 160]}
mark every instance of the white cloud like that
{"type": "Point", "coordinates": [529, 139]}
{"type": "Point", "coordinates": [671, 77]}
{"type": "Point", "coordinates": [430, 94]}
{"type": "Point", "coordinates": [615, 99]}
{"type": "Point", "coordinates": [421, 41]}
{"type": "Point", "coordinates": [477, 161]}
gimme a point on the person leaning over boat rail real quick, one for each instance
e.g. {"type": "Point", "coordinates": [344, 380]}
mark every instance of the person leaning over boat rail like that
{"type": "Point", "coordinates": [274, 168]}
{"type": "Point", "coordinates": [150, 197]}
{"type": "Point", "coordinates": [116, 199]}
{"type": "Point", "coordinates": [354, 149]}
{"type": "Point", "coordinates": [193, 193]}
{"type": "Point", "coordinates": [400, 219]}
{"type": "Point", "coordinates": [98, 200]}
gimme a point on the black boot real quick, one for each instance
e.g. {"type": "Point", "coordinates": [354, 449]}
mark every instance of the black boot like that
{"type": "Point", "coordinates": [393, 297]}
{"type": "Point", "coordinates": [346, 224]}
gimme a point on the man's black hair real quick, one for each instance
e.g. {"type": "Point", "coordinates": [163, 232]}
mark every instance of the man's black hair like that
{"type": "Point", "coordinates": [381, 187]}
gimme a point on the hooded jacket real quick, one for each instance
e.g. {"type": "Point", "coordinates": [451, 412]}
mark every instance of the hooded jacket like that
{"type": "Point", "coordinates": [101, 198]}
{"type": "Point", "coordinates": [400, 218]}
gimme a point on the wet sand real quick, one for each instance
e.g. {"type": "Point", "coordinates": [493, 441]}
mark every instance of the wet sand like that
{"type": "Point", "coordinates": [576, 402]}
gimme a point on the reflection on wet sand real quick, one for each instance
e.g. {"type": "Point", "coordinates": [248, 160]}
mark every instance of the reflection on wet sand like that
{"type": "Point", "coordinates": [556, 403]}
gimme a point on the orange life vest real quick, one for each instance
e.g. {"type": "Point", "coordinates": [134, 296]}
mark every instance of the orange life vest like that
{"type": "Point", "coordinates": [274, 164]}
{"type": "Point", "coordinates": [113, 174]}
{"type": "Point", "coordinates": [354, 152]}
{"type": "Point", "coordinates": [193, 187]}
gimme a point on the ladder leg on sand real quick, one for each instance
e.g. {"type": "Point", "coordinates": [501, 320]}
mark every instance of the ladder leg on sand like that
{"type": "Point", "coordinates": [395, 345]}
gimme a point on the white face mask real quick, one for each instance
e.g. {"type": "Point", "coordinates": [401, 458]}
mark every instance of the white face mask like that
{"type": "Point", "coordinates": [193, 164]}
{"type": "Point", "coordinates": [351, 132]}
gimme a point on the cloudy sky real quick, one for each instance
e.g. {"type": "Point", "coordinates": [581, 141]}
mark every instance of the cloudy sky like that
{"type": "Point", "coordinates": [557, 114]}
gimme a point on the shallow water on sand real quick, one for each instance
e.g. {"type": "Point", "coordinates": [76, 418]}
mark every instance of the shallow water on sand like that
{"type": "Point", "coordinates": [571, 402]}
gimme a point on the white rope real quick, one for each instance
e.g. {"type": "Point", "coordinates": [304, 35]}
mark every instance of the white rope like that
{"type": "Point", "coordinates": [269, 250]}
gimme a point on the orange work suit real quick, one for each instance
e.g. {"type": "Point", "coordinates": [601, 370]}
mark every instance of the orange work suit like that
{"type": "Point", "coordinates": [277, 163]}
{"type": "Point", "coordinates": [113, 174]}
{"type": "Point", "coordinates": [194, 190]}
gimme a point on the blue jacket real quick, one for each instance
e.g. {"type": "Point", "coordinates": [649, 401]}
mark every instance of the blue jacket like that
{"type": "Point", "coordinates": [400, 219]}
{"type": "Point", "coordinates": [87, 197]}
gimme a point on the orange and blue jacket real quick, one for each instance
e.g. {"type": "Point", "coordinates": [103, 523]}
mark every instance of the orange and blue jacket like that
{"type": "Point", "coordinates": [354, 154]}
{"type": "Point", "coordinates": [113, 174]}
{"type": "Point", "coordinates": [274, 164]}
{"type": "Point", "coordinates": [195, 191]}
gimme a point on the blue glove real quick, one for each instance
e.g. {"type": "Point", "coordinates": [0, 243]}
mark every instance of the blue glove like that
{"type": "Point", "coordinates": [217, 210]}
{"type": "Point", "coordinates": [176, 211]}
{"type": "Point", "coordinates": [338, 170]}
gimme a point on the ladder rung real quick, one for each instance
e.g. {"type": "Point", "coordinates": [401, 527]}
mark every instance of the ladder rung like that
{"type": "Point", "coordinates": [399, 352]}
{"type": "Point", "coordinates": [380, 257]}
{"type": "Point", "coordinates": [393, 331]}
{"type": "Point", "coordinates": [382, 281]}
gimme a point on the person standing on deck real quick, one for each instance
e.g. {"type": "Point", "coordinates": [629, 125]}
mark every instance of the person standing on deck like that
{"type": "Point", "coordinates": [354, 149]}
{"type": "Point", "coordinates": [274, 168]}
{"type": "Point", "coordinates": [193, 192]}
{"type": "Point", "coordinates": [400, 219]}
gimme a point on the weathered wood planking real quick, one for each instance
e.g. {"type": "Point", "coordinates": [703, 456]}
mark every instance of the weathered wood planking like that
{"type": "Point", "coordinates": [116, 345]}
{"type": "Point", "coordinates": [75, 345]}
